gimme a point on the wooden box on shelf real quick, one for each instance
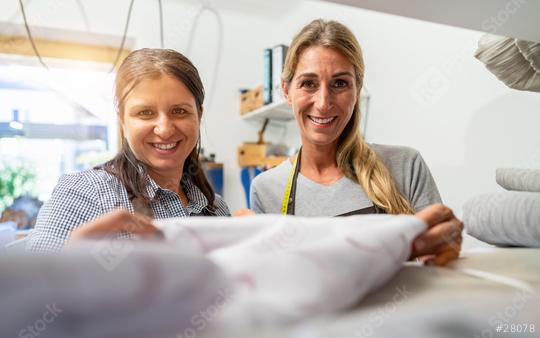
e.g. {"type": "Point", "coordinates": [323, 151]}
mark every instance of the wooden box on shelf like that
{"type": "Point", "coordinates": [254, 155]}
{"type": "Point", "coordinates": [251, 154]}
{"type": "Point", "coordinates": [251, 100]}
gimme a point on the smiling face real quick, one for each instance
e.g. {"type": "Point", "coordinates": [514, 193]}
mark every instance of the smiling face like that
{"type": "Point", "coordinates": [322, 94]}
{"type": "Point", "coordinates": [161, 124]}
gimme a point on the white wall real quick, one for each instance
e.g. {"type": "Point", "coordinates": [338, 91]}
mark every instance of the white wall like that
{"type": "Point", "coordinates": [427, 90]}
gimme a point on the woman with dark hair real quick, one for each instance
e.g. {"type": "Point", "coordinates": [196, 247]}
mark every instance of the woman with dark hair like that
{"type": "Point", "coordinates": [156, 174]}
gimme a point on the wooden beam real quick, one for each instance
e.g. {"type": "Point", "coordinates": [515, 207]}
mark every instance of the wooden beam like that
{"type": "Point", "coordinates": [60, 49]}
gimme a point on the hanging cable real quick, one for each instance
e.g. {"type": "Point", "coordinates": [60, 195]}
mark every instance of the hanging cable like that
{"type": "Point", "coordinates": [161, 23]}
{"type": "Point", "coordinates": [121, 48]}
{"type": "Point", "coordinates": [29, 34]}
{"type": "Point", "coordinates": [84, 15]}
{"type": "Point", "coordinates": [206, 7]}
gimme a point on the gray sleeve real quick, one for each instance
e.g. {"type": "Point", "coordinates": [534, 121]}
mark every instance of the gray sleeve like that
{"type": "Point", "coordinates": [254, 201]}
{"type": "Point", "coordinates": [422, 188]}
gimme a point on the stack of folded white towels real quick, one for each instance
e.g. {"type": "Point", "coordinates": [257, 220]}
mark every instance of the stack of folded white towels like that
{"type": "Point", "coordinates": [511, 217]}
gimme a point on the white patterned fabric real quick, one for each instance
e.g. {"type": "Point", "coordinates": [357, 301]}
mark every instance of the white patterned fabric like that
{"type": "Point", "coordinates": [285, 268]}
{"type": "Point", "coordinates": [240, 271]}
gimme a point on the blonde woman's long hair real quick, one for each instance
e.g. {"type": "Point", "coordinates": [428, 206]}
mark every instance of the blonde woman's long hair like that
{"type": "Point", "coordinates": [354, 157]}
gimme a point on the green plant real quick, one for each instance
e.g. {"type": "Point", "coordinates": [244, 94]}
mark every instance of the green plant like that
{"type": "Point", "coordinates": [16, 178]}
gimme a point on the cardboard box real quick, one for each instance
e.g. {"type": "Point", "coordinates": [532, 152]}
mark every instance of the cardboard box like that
{"type": "Point", "coordinates": [251, 100]}
{"type": "Point", "coordinates": [251, 154]}
{"type": "Point", "coordinates": [254, 155]}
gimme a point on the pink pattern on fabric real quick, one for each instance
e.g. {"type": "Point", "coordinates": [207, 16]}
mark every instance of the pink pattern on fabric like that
{"type": "Point", "coordinates": [202, 243]}
{"type": "Point", "coordinates": [246, 279]}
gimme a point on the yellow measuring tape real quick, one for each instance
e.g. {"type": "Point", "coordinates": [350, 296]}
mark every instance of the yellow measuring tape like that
{"type": "Point", "coordinates": [288, 188]}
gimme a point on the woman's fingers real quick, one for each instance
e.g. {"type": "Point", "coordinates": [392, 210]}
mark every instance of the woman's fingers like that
{"type": "Point", "coordinates": [441, 242]}
{"type": "Point", "coordinates": [99, 226]}
{"type": "Point", "coordinates": [114, 222]}
{"type": "Point", "coordinates": [435, 214]}
{"type": "Point", "coordinates": [244, 212]}
{"type": "Point", "coordinates": [440, 235]}
{"type": "Point", "coordinates": [140, 224]}
{"type": "Point", "coordinates": [445, 256]}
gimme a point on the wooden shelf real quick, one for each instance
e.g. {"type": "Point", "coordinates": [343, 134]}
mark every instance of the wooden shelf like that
{"type": "Point", "coordinates": [280, 111]}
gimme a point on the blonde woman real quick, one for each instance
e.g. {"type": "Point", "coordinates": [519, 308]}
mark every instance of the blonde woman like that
{"type": "Point", "coordinates": [336, 173]}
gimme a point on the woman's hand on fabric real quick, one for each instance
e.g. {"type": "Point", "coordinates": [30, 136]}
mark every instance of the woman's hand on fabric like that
{"type": "Point", "coordinates": [115, 222]}
{"type": "Point", "coordinates": [441, 242]}
{"type": "Point", "coordinates": [244, 212]}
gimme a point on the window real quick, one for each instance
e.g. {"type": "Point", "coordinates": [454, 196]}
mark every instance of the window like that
{"type": "Point", "coordinates": [56, 121]}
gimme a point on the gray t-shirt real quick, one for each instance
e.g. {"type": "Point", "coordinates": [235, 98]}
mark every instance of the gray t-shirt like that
{"type": "Point", "coordinates": [410, 172]}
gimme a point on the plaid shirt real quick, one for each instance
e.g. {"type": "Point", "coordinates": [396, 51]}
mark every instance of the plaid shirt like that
{"type": "Point", "coordinates": [81, 197]}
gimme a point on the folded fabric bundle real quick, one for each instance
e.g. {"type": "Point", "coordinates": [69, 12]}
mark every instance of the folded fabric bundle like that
{"type": "Point", "coordinates": [286, 268]}
{"type": "Point", "coordinates": [518, 179]}
{"type": "Point", "coordinates": [514, 62]}
{"type": "Point", "coordinates": [507, 218]}
{"type": "Point", "coordinates": [105, 289]}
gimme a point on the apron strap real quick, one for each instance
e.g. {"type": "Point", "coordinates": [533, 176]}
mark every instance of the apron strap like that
{"type": "Point", "coordinates": [365, 211]}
